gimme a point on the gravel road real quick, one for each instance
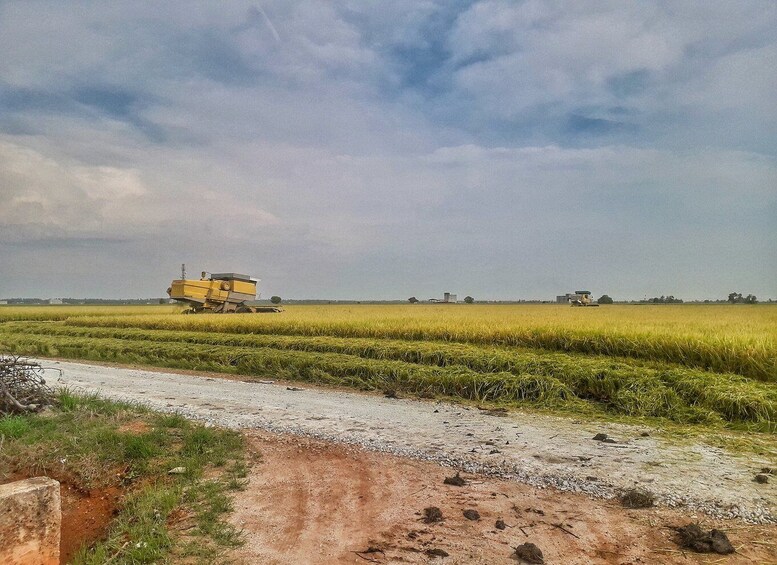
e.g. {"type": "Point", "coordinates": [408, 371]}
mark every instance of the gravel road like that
{"type": "Point", "coordinates": [543, 451]}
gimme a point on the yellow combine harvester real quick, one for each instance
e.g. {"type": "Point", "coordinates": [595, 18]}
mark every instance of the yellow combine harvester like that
{"type": "Point", "coordinates": [219, 293]}
{"type": "Point", "coordinates": [581, 298]}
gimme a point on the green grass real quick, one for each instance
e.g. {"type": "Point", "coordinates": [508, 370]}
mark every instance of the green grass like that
{"type": "Point", "coordinates": [89, 442]}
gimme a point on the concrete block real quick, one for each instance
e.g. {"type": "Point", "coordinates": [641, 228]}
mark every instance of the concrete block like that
{"type": "Point", "coordinates": [30, 522]}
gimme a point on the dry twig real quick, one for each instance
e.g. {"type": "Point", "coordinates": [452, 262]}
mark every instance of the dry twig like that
{"type": "Point", "coordinates": [22, 386]}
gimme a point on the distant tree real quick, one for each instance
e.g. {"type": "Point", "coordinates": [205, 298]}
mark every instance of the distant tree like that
{"type": "Point", "coordinates": [275, 299]}
{"type": "Point", "coordinates": [604, 299]}
{"type": "Point", "coordinates": [664, 300]}
{"type": "Point", "coordinates": [412, 300]}
{"type": "Point", "coordinates": [469, 299]}
{"type": "Point", "coordinates": [163, 301]}
{"type": "Point", "coordinates": [735, 297]}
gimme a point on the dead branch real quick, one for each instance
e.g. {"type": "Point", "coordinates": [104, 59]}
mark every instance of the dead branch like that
{"type": "Point", "coordinates": [22, 386]}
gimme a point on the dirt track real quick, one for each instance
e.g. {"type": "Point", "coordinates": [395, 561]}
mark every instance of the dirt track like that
{"type": "Point", "coordinates": [314, 502]}
{"type": "Point", "coordinates": [542, 451]}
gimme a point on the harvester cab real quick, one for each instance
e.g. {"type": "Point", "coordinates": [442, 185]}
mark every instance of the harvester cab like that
{"type": "Point", "coordinates": [221, 293]}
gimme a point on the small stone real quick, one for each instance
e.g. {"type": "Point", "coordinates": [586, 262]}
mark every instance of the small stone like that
{"type": "Point", "coordinates": [436, 552]}
{"type": "Point", "coordinates": [600, 437]}
{"type": "Point", "coordinates": [473, 515]}
{"type": "Point", "coordinates": [500, 524]}
{"type": "Point", "coordinates": [177, 471]}
{"type": "Point", "coordinates": [762, 478]}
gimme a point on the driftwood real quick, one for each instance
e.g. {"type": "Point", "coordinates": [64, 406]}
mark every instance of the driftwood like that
{"type": "Point", "coordinates": [22, 386]}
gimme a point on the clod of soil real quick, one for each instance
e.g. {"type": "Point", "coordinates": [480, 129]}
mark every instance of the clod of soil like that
{"type": "Point", "coordinates": [436, 552]}
{"type": "Point", "coordinates": [456, 480]}
{"type": "Point", "coordinates": [694, 538]}
{"type": "Point", "coordinates": [762, 478]}
{"type": "Point", "coordinates": [500, 524]}
{"type": "Point", "coordinates": [390, 393]}
{"type": "Point", "coordinates": [529, 553]}
{"type": "Point", "coordinates": [767, 471]}
{"type": "Point", "coordinates": [471, 514]}
{"type": "Point", "coordinates": [432, 514]}
{"type": "Point", "coordinates": [604, 438]}
{"type": "Point", "coordinates": [636, 498]}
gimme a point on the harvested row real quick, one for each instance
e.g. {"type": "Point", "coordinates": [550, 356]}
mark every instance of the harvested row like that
{"type": "Point", "coordinates": [682, 395]}
{"type": "Point", "coordinates": [484, 359]}
{"type": "Point", "coordinates": [744, 355]}
{"type": "Point", "coordinates": [603, 372]}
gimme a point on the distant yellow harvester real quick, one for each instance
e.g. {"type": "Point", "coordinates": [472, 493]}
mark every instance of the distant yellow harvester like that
{"type": "Point", "coordinates": [219, 293]}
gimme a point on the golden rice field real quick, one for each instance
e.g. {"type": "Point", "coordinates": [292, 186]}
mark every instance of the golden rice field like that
{"type": "Point", "coordinates": [686, 363]}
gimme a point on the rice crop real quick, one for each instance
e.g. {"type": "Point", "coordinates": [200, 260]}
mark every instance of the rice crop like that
{"type": "Point", "coordinates": [688, 364]}
{"type": "Point", "coordinates": [507, 375]}
{"type": "Point", "coordinates": [732, 339]}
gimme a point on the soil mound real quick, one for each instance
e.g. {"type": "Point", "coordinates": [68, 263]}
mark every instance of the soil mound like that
{"type": "Point", "coordinates": [456, 480]}
{"type": "Point", "coordinates": [529, 553]}
{"type": "Point", "coordinates": [432, 514]}
{"type": "Point", "coordinates": [694, 538]}
{"type": "Point", "coordinates": [636, 498]}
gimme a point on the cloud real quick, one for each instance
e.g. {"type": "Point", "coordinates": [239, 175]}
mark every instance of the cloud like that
{"type": "Point", "coordinates": [369, 150]}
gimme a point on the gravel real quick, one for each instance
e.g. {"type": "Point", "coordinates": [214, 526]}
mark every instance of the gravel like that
{"type": "Point", "coordinates": [543, 451]}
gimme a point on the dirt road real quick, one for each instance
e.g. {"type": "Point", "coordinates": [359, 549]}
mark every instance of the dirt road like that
{"type": "Point", "coordinates": [542, 451]}
{"type": "Point", "coordinates": [316, 502]}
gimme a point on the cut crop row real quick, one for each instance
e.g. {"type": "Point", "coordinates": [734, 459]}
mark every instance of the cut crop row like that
{"type": "Point", "coordinates": [748, 356]}
{"type": "Point", "coordinates": [679, 394]}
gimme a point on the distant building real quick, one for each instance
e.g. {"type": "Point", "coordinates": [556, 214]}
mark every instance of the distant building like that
{"type": "Point", "coordinates": [447, 298]}
{"type": "Point", "coordinates": [55, 301]}
{"type": "Point", "coordinates": [3, 302]}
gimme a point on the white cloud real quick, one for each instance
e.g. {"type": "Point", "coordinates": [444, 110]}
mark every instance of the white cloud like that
{"type": "Point", "coordinates": [390, 144]}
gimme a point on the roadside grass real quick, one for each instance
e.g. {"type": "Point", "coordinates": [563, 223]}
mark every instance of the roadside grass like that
{"type": "Point", "coordinates": [90, 443]}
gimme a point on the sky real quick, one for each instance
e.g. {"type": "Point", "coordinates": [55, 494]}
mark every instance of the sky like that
{"type": "Point", "coordinates": [381, 150]}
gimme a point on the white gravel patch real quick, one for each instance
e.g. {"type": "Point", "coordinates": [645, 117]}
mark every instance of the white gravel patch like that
{"type": "Point", "coordinates": [543, 451]}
